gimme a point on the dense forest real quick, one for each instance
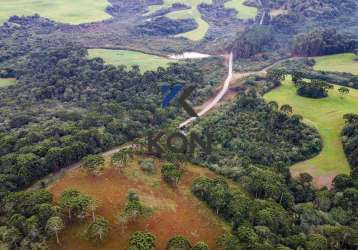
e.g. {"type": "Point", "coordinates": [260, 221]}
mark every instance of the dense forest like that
{"type": "Point", "coordinates": [350, 142]}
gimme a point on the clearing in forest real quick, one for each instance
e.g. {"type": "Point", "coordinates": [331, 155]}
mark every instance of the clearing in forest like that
{"type": "Point", "coordinates": [175, 211]}
{"type": "Point", "coordinates": [129, 58]}
{"type": "Point", "coordinates": [326, 115]}
{"type": "Point", "coordinates": [7, 82]}
{"type": "Point", "coordinates": [338, 63]}
{"type": "Point", "coordinates": [244, 11]}
{"type": "Point", "coordinates": [66, 11]}
{"type": "Point", "coordinates": [193, 12]}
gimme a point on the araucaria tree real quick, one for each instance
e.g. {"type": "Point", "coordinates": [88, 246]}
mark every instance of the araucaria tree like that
{"type": "Point", "coordinates": [92, 163]}
{"type": "Point", "coordinates": [75, 203]}
{"type": "Point", "coordinates": [171, 174]}
{"type": "Point", "coordinates": [55, 225]}
{"type": "Point", "coordinates": [141, 241]}
{"type": "Point", "coordinates": [133, 210]}
{"type": "Point", "coordinates": [98, 229]}
{"type": "Point", "coordinates": [120, 159]}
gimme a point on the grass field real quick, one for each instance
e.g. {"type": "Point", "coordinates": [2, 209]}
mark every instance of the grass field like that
{"type": "Point", "coordinates": [129, 58]}
{"type": "Point", "coordinates": [244, 12]}
{"type": "Point", "coordinates": [326, 115]}
{"type": "Point", "coordinates": [7, 81]}
{"type": "Point", "coordinates": [67, 11]}
{"type": "Point", "coordinates": [175, 211]}
{"type": "Point", "coordinates": [338, 63]}
{"type": "Point", "coordinates": [203, 26]}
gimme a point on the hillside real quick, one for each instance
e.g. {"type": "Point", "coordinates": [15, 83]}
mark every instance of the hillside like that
{"type": "Point", "coordinates": [191, 125]}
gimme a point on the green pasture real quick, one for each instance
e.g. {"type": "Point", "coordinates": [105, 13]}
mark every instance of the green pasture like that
{"type": "Point", "coordinates": [129, 58]}
{"type": "Point", "coordinates": [337, 63]}
{"type": "Point", "coordinates": [7, 82]}
{"type": "Point", "coordinates": [327, 116]}
{"type": "Point", "coordinates": [203, 26]}
{"type": "Point", "coordinates": [244, 12]}
{"type": "Point", "coordinates": [66, 11]}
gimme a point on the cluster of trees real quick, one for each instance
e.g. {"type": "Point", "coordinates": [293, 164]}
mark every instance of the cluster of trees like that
{"type": "Point", "coordinates": [133, 210]}
{"type": "Point", "coordinates": [164, 26]}
{"type": "Point", "coordinates": [350, 141]}
{"type": "Point", "coordinates": [302, 218]}
{"type": "Point", "coordinates": [252, 131]}
{"type": "Point", "coordinates": [253, 41]}
{"type": "Point", "coordinates": [323, 42]}
{"type": "Point", "coordinates": [146, 241]}
{"type": "Point", "coordinates": [27, 218]}
{"type": "Point", "coordinates": [313, 89]}
{"type": "Point", "coordinates": [171, 174]}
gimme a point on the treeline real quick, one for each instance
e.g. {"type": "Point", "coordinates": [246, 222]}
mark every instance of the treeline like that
{"type": "Point", "coordinates": [350, 142]}
{"type": "Point", "coordinates": [323, 42]}
{"type": "Point", "coordinates": [254, 40]}
{"type": "Point", "coordinates": [164, 26]}
{"type": "Point", "coordinates": [304, 69]}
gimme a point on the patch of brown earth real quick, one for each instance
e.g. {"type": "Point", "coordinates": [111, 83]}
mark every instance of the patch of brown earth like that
{"type": "Point", "coordinates": [175, 211]}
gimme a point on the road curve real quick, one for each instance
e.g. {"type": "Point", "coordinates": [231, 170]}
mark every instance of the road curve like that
{"type": "Point", "coordinates": [217, 98]}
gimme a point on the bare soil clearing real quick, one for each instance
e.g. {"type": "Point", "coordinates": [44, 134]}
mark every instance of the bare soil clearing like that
{"type": "Point", "coordinates": [176, 211]}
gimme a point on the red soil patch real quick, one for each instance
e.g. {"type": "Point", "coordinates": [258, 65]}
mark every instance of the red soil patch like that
{"type": "Point", "coordinates": [319, 181]}
{"type": "Point", "coordinates": [175, 211]}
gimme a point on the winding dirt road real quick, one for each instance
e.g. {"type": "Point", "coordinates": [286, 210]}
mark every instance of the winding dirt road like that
{"type": "Point", "coordinates": [217, 98]}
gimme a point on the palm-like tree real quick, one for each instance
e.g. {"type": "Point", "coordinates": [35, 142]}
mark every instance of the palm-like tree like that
{"type": "Point", "coordinates": [121, 158]}
{"type": "Point", "coordinates": [93, 205]}
{"type": "Point", "coordinates": [55, 225]}
{"type": "Point", "coordinates": [98, 228]}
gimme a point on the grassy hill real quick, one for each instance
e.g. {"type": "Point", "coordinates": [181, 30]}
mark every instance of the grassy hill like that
{"type": "Point", "coordinates": [67, 11]}
{"type": "Point", "coordinates": [130, 58]}
{"type": "Point", "coordinates": [327, 116]}
{"type": "Point", "coordinates": [175, 211]}
{"type": "Point", "coordinates": [7, 81]}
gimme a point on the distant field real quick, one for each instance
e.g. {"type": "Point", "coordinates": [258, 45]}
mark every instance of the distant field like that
{"type": "Point", "coordinates": [339, 63]}
{"type": "Point", "coordinates": [7, 81]}
{"type": "Point", "coordinates": [175, 211]}
{"type": "Point", "coordinates": [244, 12]}
{"type": "Point", "coordinates": [196, 34]}
{"type": "Point", "coordinates": [326, 115]}
{"type": "Point", "coordinates": [67, 11]}
{"type": "Point", "coordinates": [129, 58]}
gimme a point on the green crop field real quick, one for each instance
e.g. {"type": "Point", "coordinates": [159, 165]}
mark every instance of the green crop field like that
{"type": "Point", "coordinates": [7, 82]}
{"type": "Point", "coordinates": [67, 11]}
{"type": "Point", "coordinates": [203, 26]}
{"type": "Point", "coordinates": [327, 116]}
{"type": "Point", "coordinates": [338, 63]}
{"type": "Point", "coordinates": [130, 58]}
{"type": "Point", "coordinates": [244, 12]}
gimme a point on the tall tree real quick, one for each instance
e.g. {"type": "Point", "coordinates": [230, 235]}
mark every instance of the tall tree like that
{"type": "Point", "coordinates": [55, 225]}
{"type": "Point", "coordinates": [92, 163]}
{"type": "Point", "coordinates": [98, 229]}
